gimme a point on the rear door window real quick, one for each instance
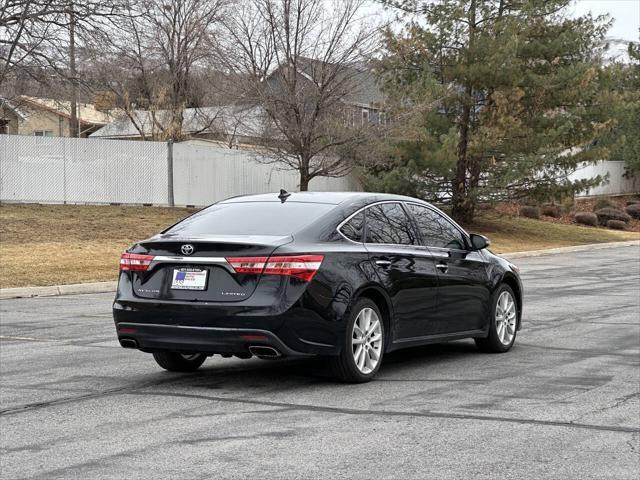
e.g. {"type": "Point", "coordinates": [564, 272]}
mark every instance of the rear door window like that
{"type": "Point", "coordinates": [388, 223]}
{"type": "Point", "coordinates": [354, 228]}
{"type": "Point", "coordinates": [435, 229]}
{"type": "Point", "coordinates": [251, 218]}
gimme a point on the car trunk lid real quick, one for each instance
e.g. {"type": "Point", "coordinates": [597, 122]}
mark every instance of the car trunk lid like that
{"type": "Point", "coordinates": [196, 268]}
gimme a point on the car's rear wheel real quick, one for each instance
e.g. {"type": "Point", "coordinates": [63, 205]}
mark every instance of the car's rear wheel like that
{"type": "Point", "coordinates": [503, 322]}
{"type": "Point", "coordinates": [179, 362]}
{"type": "Point", "coordinates": [363, 344]}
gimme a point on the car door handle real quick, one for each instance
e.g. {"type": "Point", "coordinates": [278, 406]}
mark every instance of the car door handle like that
{"type": "Point", "coordinates": [383, 263]}
{"type": "Point", "coordinates": [443, 267]}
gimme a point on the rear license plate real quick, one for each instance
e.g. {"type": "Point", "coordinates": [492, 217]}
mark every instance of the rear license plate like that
{"type": "Point", "coordinates": [189, 279]}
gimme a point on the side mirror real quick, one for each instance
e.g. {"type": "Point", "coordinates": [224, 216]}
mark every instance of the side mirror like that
{"type": "Point", "coordinates": [478, 242]}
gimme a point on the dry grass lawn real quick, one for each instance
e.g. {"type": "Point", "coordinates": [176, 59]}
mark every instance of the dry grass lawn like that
{"type": "Point", "coordinates": [519, 234]}
{"type": "Point", "coordinates": [61, 244]}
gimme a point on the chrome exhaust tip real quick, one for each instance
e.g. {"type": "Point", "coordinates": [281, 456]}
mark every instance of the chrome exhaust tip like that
{"type": "Point", "coordinates": [262, 351]}
{"type": "Point", "coordinates": [128, 343]}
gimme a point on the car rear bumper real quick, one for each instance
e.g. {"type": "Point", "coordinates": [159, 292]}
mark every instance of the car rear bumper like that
{"type": "Point", "coordinates": [295, 322]}
{"type": "Point", "coordinates": [296, 332]}
{"type": "Point", "coordinates": [183, 339]}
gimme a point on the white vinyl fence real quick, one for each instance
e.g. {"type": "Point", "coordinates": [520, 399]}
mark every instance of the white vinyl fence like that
{"type": "Point", "coordinates": [618, 182]}
{"type": "Point", "coordinates": [81, 170]}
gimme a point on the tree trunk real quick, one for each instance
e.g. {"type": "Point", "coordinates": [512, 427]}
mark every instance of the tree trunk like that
{"type": "Point", "coordinates": [177, 120]}
{"type": "Point", "coordinates": [462, 210]}
{"type": "Point", "coordinates": [462, 198]}
{"type": "Point", "coordinates": [304, 182]}
{"type": "Point", "coordinates": [304, 173]}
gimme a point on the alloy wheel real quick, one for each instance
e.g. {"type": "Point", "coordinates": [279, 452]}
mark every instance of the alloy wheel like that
{"type": "Point", "coordinates": [366, 340]}
{"type": "Point", "coordinates": [506, 316]}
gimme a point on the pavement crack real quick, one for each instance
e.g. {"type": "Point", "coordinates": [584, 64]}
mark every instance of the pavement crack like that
{"type": "Point", "coordinates": [88, 396]}
{"type": "Point", "coordinates": [275, 435]}
{"type": "Point", "coordinates": [395, 413]}
{"type": "Point", "coordinates": [130, 388]}
{"type": "Point", "coordinates": [619, 401]}
{"type": "Point", "coordinates": [586, 352]}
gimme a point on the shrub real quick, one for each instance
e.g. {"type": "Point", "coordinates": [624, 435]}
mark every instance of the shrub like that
{"type": "Point", "coordinates": [606, 214]}
{"type": "Point", "coordinates": [529, 201]}
{"type": "Point", "coordinates": [568, 205]}
{"type": "Point", "coordinates": [586, 218]}
{"type": "Point", "coordinates": [616, 224]}
{"type": "Point", "coordinates": [633, 210]}
{"type": "Point", "coordinates": [551, 210]}
{"type": "Point", "coordinates": [529, 211]}
{"type": "Point", "coordinates": [603, 203]}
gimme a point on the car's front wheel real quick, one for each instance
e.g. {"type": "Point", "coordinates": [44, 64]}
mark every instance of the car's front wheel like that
{"type": "Point", "coordinates": [179, 362]}
{"type": "Point", "coordinates": [503, 322]}
{"type": "Point", "coordinates": [363, 345]}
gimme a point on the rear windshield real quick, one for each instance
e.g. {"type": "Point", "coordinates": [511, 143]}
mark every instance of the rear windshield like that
{"type": "Point", "coordinates": [251, 218]}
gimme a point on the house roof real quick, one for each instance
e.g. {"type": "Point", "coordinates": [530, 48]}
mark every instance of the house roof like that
{"type": "Point", "coordinates": [364, 90]}
{"type": "Point", "coordinates": [227, 120]}
{"type": "Point", "coordinates": [367, 91]}
{"type": "Point", "coordinates": [4, 102]}
{"type": "Point", "coordinates": [86, 111]}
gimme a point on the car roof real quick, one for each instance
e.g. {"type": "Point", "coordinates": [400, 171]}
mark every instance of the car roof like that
{"type": "Point", "coordinates": [333, 198]}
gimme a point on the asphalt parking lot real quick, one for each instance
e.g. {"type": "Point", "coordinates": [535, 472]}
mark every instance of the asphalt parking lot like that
{"type": "Point", "coordinates": [564, 403]}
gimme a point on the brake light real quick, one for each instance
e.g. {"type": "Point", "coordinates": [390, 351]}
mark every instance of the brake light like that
{"type": "Point", "coordinates": [253, 265]}
{"type": "Point", "coordinates": [135, 262]}
{"type": "Point", "coordinates": [299, 266]}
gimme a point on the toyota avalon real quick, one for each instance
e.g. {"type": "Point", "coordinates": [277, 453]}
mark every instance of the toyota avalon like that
{"type": "Point", "coordinates": [346, 276]}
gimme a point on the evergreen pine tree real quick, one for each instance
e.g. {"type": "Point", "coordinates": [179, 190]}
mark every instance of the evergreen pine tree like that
{"type": "Point", "coordinates": [491, 99]}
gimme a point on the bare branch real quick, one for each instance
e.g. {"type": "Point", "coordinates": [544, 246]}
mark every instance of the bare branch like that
{"type": "Point", "coordinates": [302, 62]}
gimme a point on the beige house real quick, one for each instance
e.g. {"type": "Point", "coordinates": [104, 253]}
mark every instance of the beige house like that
{"type": "Point", "coordinates": [44, 117]}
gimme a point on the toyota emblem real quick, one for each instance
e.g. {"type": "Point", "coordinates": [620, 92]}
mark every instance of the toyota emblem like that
{"type": "Point", "coordinates": [186, 249]}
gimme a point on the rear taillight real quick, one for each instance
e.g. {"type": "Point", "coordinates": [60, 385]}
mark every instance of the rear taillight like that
{"type": "Point", "coordinates": [299, 266]}
{"type": "Point", "coordinates": [253, 265]}
{"type": "Point", "coordinates": [135, 262]}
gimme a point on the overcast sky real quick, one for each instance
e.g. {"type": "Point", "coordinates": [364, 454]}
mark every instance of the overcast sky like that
{"type": "Point", "coordinates": [626, 15]}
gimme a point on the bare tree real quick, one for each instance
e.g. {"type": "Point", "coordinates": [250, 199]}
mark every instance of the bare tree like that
{"type": "Point", "coordinates": [300, 60]}
{"type": "Point", "coordinates": [25, 29]}
{"type": "Point", "coordinates": [38, 40]}
{"type": "Point", "coordinates": [147, 61]}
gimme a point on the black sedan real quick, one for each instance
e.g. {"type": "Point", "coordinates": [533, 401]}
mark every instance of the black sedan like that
{"type": "Point", "coordinates": [348, 276]}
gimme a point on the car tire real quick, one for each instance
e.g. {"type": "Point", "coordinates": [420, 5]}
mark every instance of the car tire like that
{"type": "Point", "coordinates": [177, 362]}
{"type": "Point", "coordinates": [502, 327]}
{"type": "Point", "coordinates": [370, 344]}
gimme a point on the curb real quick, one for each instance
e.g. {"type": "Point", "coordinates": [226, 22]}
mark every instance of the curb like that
{"type": "Point", "coordinates": [576, 248]}
{"type": "Point", "coordinates": [107, 287]}
{"type": "Point", "coordinates": [56, 290]}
